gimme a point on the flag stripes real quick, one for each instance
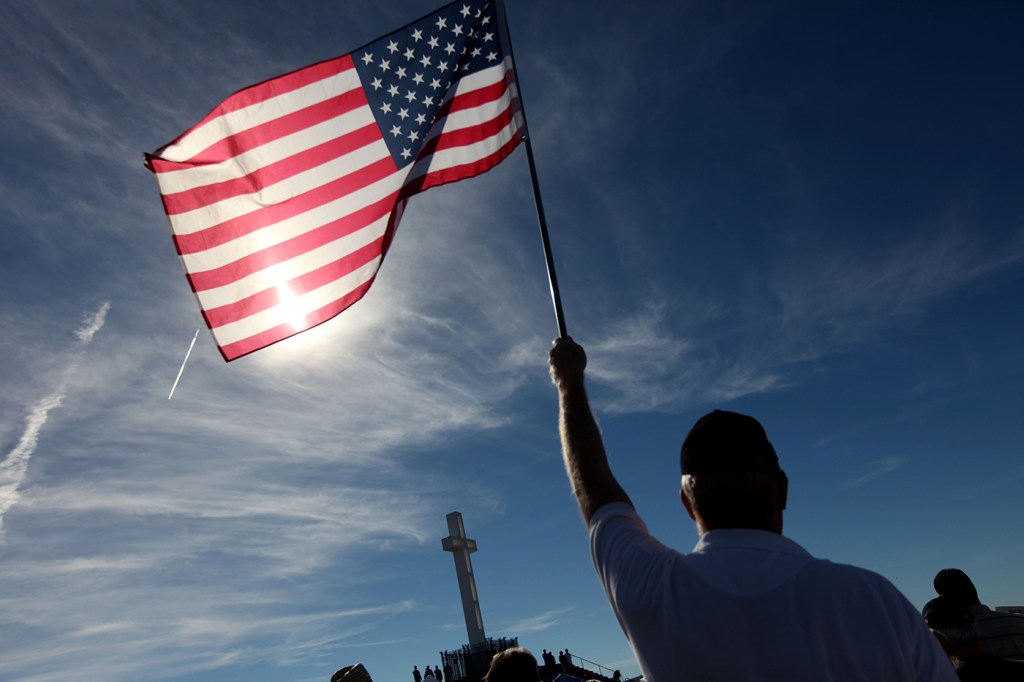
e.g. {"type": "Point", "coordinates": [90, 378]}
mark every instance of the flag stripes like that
{"type": "Point", "coordinates": [284, 199]}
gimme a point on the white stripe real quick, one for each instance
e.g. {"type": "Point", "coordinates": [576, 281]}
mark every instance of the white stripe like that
{"type": "Point", "coordinates": [482, 113]}
{"type": "Point", "coordinates": [277, 233]}
{"type": "Point", "coordinates": [291, 312]}
{"type": "Point", "coordinates": [457, 156]}
{"type": "Point", "coordinates": [290, 269]}
{"type": "Point", "coordinates": [239, 166]}
{"type": "Point", "coordinates": [235, 207]}
{"type": "Point", "coordinates": [481, 79]}
{"type": "Point", "coordinates": [217, 129]}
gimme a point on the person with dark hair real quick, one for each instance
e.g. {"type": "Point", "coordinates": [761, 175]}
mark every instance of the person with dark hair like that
{"type": "Point", "coordinates": [513, 665]}
{"type": "Point", "coordinates": [417, 676]}
{"type": "Point", "coordinates": [437, 673]}
{"type": "Point", "coordinates": [957, 631]}
{"type": "Point", "coordinates": [352, 673]}
{"type": "Point", "coordinates": [999, 634]}
{"type": "Point", "coordinates": [747, 603]}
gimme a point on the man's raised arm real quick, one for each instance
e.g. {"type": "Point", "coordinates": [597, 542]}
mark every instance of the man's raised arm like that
{"type": "Point", "coordinates": [582, 448]}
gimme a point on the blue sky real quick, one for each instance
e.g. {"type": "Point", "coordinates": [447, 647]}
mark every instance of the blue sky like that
{"type": "Point", "coordinates": [809, 213]}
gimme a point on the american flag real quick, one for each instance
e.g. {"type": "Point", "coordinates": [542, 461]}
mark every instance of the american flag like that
{"type": "Point", "coordinates": [284, 199]}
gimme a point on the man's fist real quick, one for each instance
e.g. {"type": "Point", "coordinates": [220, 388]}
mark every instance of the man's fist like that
{"type": "Point", "coordinates": [567, 361]}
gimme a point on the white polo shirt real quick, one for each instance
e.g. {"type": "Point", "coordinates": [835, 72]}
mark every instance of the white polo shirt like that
{"type": "Point", "coordinates": [754, 605]}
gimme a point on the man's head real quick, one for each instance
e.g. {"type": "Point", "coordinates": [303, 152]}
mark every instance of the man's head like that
{"type": "Point", "coordinates": [954, 584]}
{"type": "Point", "coordinates": [731, 475]}
{"type": "Point", "coordinates": [513, 665]}
{"type": "Point", "coordinates": [954, 626]}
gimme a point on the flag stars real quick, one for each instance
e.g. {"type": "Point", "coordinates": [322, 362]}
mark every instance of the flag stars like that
{"type": "Point", "coordinates": [407, 71]}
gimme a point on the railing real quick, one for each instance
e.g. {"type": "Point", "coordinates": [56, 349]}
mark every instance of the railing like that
{"type": "Point", "coordinates": [600, 669]}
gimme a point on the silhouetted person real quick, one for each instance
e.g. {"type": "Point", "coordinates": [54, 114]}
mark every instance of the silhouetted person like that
{"type": "Point", "coordinates": [513, 665]}
{"type": "Point", "coordinates": [447, 673]}
{"type": "Point", "coordinates": [427, 672]}
{"type": "Point", "coordinates": [747, 603]}
{"type": "Point", "coordinates": [416, 676]}
{"type": "Point", "coordinates": [999, 634]}
{"type": "Point", "coordinates": [437, 673]}
{"type": "Point", "coordinates": [956, 630]}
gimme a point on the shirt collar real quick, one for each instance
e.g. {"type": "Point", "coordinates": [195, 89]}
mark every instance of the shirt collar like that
{"type": "Point", "coordinates": [745, 538]}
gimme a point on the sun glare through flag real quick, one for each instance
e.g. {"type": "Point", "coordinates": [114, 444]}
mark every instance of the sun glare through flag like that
{"type": "Point", "coordinates": [284, 199]}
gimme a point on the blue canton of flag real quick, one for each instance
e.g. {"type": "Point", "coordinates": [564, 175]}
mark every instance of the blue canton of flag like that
{"type": "Point", "coordinates": [407, 74]}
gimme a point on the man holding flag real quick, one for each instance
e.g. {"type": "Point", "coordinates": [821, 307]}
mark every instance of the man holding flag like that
{"type": "Point", "coordinates": [747, 603]}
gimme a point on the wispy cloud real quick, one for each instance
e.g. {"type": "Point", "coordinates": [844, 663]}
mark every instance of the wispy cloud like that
{"type": "Point", "coordinates": [14, 467]}
{"type": "Point", "coordinates": [879, 469]}
{"type": "Point", "coordinates": [541, 622]}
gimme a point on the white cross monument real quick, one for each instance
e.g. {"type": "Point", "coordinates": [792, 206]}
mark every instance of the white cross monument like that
{"type": "Point", "coordinates": [461, 547]}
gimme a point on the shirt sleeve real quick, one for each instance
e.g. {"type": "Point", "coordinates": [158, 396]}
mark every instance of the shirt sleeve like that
{"type": "Point", "coordinates": [630, 563]}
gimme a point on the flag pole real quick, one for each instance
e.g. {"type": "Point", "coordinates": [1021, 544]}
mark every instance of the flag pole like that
{"type": "Point", "coordinates": [556, 299]}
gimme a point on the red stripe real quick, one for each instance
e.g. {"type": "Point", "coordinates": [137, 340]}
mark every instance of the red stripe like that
{"type": "Point", "coordinates": [310, 281]}
{"type": "Point", "coordinates": [456, 173]}
{"type": "Point", "coordinates": [467, 136]}
{"type": "Point", "coordinates": [296, 246]}
{"type": "Point", "coordinates": [280, 85]}
{"type": "Point", "coordinates": [256, 136]}
{"type": "Point", "coordinates": [475, 98]}
{"type": "Point", "coordinates": [472, 98]}
{"type": "Point", "coordinates": [234, 228]}
{"type": "Point", "coordinates": [261, 178]}
{"type": "Point", "coordinates": [255, 342]}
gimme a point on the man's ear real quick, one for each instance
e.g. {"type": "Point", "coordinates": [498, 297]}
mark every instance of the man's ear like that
{"type": "Point", "coordinates": [782, 488]}
{"type": "Point", "coordinates": [686, 503]}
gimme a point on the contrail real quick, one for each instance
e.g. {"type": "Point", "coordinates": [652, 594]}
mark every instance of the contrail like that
{"type": "Point", "coordinates": [15, 464]}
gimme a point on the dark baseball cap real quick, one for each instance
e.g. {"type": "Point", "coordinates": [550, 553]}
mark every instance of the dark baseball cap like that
{"type": "Point", "coordinates": [721, 441]}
